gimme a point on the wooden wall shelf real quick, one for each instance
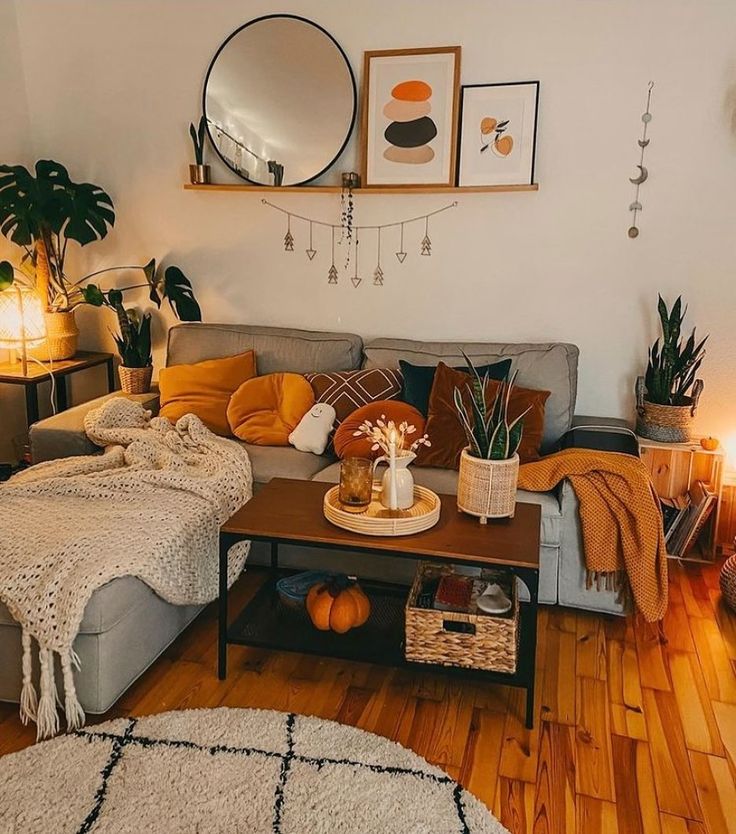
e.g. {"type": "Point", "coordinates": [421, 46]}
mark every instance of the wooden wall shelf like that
{"type": "Point", "coordinates": [336, 189]}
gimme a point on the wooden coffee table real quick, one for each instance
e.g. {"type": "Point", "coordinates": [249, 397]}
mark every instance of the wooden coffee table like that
{"type": "Point", "coordinates": [290, 512]}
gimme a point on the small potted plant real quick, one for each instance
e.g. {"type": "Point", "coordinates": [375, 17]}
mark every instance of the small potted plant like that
{"type": "Point", "coordinates": [134, 346]}
{"type": "Point", "coordinates": [489, 465]}
{"type": "Point", "coordinates": [667, 396]}
{"type": "Point", "coordinates": [199, 173]}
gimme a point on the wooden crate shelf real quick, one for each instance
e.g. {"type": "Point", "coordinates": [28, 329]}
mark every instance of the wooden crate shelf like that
{"type": "Point", "coordinates": [336, 189]}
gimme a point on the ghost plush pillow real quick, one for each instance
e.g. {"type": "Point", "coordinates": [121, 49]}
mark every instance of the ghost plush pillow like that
{"type": "Point", "coordinates": [313, 432]}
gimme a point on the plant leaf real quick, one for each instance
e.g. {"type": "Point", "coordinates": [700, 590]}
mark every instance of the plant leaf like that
{"type": "Point", "coordinates": [178, 291]}
{"type": "Point", "coordinates": [92, 295]}
{"type": "Point", "coordinates": [6, 275]}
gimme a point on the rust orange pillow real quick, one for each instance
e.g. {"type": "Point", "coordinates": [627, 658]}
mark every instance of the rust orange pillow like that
{"type": "Point", "coordinates": [204, 389]}
{"type": "Point", "coordinates": [347, 445]}
{"type": "Point", "coordinates": [265, 410]}
{"type": "Point", "coordinates": [447, 435]}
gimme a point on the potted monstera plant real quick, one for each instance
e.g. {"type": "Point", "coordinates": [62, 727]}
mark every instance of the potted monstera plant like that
{"type": "Point", "coordinates": [489, 465]}
{"type": "Point", "coordinates": [42, 212]}
{"type": "Point", "coordinates": [667, 395]}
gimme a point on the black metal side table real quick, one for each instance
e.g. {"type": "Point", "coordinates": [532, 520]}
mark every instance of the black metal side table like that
{"type": "Point", "coordinates": [11, 374]}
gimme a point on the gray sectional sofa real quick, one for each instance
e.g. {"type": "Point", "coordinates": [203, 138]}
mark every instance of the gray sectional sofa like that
{"type": "Point", "coordinates": [126, 626]}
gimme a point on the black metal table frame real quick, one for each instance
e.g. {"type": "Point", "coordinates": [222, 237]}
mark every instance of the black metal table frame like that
{"type": "Point", "coordinates": [61, 397]}
{"type": "Point", "coordinates": [523, 678]}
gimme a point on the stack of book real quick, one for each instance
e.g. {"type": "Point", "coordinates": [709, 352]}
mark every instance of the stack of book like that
{"type": "Point", "coordinates": [685, 517]}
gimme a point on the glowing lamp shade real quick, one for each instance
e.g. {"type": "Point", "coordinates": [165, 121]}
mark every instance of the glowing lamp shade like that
{"type": "Point", "coordinates": [22, 323]}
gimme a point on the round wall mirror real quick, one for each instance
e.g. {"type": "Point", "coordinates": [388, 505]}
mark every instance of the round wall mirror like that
{"type": "Point", "coordinates": [279, 100]}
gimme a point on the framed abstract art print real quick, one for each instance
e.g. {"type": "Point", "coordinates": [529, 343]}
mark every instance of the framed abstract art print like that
{"type": "Point", "coordinates": [498, 133]}
{"type": "Point", "coordinates": [410, 116]}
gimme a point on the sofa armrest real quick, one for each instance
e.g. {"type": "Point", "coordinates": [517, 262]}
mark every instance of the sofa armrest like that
{"type": "Point", "coordinates": [63, 435]}
{"type": "Point", "coordinates": [605, 434]}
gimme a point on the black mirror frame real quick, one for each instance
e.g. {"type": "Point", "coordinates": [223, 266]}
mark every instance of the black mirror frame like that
{"type": "Point", "coordinates": [352, 81]}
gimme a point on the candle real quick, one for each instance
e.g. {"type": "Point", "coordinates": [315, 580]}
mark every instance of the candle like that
{"type": "Point", "coordinates": [393, 492]}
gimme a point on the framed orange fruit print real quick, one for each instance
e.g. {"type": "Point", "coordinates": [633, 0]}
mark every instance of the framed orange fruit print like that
{"type": "Point", "coordinates": [410, 116]}
{"type": "Point", "coordinates": [498, 133]}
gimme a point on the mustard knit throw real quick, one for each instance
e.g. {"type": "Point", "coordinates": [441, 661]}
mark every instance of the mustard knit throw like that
{"type": "Point", "coordinates": [620, 517]}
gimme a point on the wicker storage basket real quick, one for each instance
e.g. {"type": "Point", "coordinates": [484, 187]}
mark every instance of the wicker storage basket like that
{"type": "Point", "coordinates": [728, 582]}
{"type": "Point", "coordinates": [487, 488]}
{"type": "Point", "coordinates": [472, 641]}
{"type": "Point", "coordinates": [135, 380]}
{"type": "Point", "coordinates": [666, 423]}
{"type": "Point", "coordinates": [62, 338]}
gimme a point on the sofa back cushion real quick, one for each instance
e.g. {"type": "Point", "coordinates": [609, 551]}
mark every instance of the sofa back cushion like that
{"type": "Point", "coordinates": [277, 349]}
{"type": "Point", "coordinates": [549, 367]}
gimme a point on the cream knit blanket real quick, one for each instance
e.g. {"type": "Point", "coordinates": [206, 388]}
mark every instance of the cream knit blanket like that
{"type": "Point", "coordinates": [150, 506]}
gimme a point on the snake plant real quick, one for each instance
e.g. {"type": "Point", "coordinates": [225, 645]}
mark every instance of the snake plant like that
{"type": "Point", "coordinates": [673, 366]}
{"type": "Point", "coordinates": [491, 434]}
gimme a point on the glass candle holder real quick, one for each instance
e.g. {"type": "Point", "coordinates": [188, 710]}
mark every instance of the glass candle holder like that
{"type": "Point", "coordinates": [356, 483]}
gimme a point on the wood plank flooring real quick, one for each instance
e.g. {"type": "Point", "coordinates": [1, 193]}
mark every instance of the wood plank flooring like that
{"type": "Point", "coordinates": [632, 736]}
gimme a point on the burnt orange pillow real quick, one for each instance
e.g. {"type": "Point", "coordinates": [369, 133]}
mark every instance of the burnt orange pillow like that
{"type": "Point", "coordinates": [446, 433]}
{"type": "Point", "coordinates": [348, 446]}
{"type": "Point", "coordinates": [265, 410]}
{"type": "Point", "coordinates": [204, 389]}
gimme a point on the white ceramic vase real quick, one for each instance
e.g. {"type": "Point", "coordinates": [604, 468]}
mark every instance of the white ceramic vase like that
{"type": "Point", "coordinates": [397, 486]}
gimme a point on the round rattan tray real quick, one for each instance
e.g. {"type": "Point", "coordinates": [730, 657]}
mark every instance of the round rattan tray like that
{"type": "Point", "coordinates": [376, 520]}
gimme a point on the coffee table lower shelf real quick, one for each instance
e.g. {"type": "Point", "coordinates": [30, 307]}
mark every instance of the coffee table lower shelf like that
{"type": "Point", "coordinates": [266, 622]}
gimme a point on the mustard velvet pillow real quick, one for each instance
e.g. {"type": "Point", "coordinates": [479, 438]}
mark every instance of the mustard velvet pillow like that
{"type": "Point", "coordinates": [266, 410]}
{"type": "Point", "coordinates": [204, 389]}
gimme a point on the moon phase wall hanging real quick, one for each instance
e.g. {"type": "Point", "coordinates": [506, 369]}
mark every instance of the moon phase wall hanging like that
{"type": "Point", "coordinates": [643, 174]}
{"type": "Point", "coordinates": [354, 240]}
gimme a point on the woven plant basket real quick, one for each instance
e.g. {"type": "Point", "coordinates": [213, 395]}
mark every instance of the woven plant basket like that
{"type": "Point", "coordinates": [62, 338]}
{"type": "Point", "coordinates": [135, 380]}
{"type": "Point", "coordinates": [666, 423]}
{"type": "Point", "coordinates": [448, 638]}
{"type": "Point", "coordinates": [487, 488]}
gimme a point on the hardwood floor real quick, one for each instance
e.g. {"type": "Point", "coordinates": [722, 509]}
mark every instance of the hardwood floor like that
{"type": "Point", "coordinates": [632, 736]}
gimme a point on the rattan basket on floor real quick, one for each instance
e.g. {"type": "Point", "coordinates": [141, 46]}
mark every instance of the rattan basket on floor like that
{"type": "Point", "coordinates": [472, 641]}
{"type": "Point", "coordinates": [728, 582]}
{"type": "Point", "coordinates": [135, 380]}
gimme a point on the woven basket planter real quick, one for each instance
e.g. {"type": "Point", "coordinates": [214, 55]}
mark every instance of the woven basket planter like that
{"type": "Point", "coordinates": [62, 338]}
{"type": "Point", "coordinates": [666, 423]}
{"type": "Point", "coordinates": [487, 488]}
{"type": "Point", "coordinates": [448, 638]}
{"type": "Point", "coordinates": [135, 380]}
{"type": "Point", "coordinates": [728, 582]}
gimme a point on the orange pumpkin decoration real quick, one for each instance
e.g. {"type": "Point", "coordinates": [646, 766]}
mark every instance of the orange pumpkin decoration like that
{"type": "Point", "coordinates": [710, 444]}
{"type": "Point", "coordinates": [338, 605]}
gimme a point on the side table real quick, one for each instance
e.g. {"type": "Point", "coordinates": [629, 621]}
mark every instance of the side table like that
{"type": "Point", "coordinates": [11, 374]}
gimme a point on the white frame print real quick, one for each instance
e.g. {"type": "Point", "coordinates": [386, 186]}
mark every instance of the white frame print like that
{"type": "Point", "coordinates": [409, 117]}
{"type": "Point", "coordinates": [498, 133]}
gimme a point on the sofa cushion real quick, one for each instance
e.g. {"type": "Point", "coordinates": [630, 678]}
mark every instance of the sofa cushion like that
{"type": "Point", "coordinates": [107, 606]}
{"type": "Point", "coordinates": [204, 389]}
{"type": "Point", "coordinates": [545, 367]}
{"type": "Point", "coordinates": [277, 348]}
{"type": "Point", "coordinates": [266, 410]}
{"type": "Point", "coordinates": [347, 391]}
{"type": "Point", "coordinates": [444, 482]}
{"type": "Point", "coordinates": [284, 462]}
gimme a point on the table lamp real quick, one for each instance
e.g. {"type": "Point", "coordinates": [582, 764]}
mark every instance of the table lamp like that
{"type": "Point", "coordinates": [22, 323]}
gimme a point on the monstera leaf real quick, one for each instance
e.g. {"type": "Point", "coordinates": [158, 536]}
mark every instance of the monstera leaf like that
{"type": "Point", "coordinates": [6, 275]}
{"type": "Point", "coordinates": [178, 290]}
{"type": "Point", "coordinates": [50, 201]}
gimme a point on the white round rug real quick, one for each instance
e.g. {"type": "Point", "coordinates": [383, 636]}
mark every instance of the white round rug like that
{"type": "Point", "coordinates": [242, 771]}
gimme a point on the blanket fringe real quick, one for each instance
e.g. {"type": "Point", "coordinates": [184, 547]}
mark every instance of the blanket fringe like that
{"type": "Point", "coordinates": [28, 696]}
{"type": "Point", "coordinates": [72, 708]}
{"type": "Point", "coordinates": [47, 718]}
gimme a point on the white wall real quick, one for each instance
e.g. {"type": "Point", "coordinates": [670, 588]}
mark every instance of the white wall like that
{"type": "Point", "coordinates": [112, 87]}
{"type": "Point", "coordinates": [14, 147]}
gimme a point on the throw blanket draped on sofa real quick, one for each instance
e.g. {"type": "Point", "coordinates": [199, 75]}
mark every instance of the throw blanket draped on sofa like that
{"type": "Point", "coordinates": [150, 506]}
{"type": "Point", "coordinates": [620, 518]}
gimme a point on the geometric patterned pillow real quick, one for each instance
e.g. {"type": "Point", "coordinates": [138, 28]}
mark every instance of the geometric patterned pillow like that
{"type": "Point", "coordinates": [348, 390]}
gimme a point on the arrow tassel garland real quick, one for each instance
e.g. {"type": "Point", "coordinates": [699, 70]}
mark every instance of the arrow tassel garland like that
{"type": "Point", "coordinates": [425, 246]}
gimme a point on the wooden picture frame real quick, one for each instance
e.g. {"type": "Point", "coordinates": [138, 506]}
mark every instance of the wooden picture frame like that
{"type": "Point", "coordinates": [415, 142]}
{"type": "Point", "coordinates": [497, 142]}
